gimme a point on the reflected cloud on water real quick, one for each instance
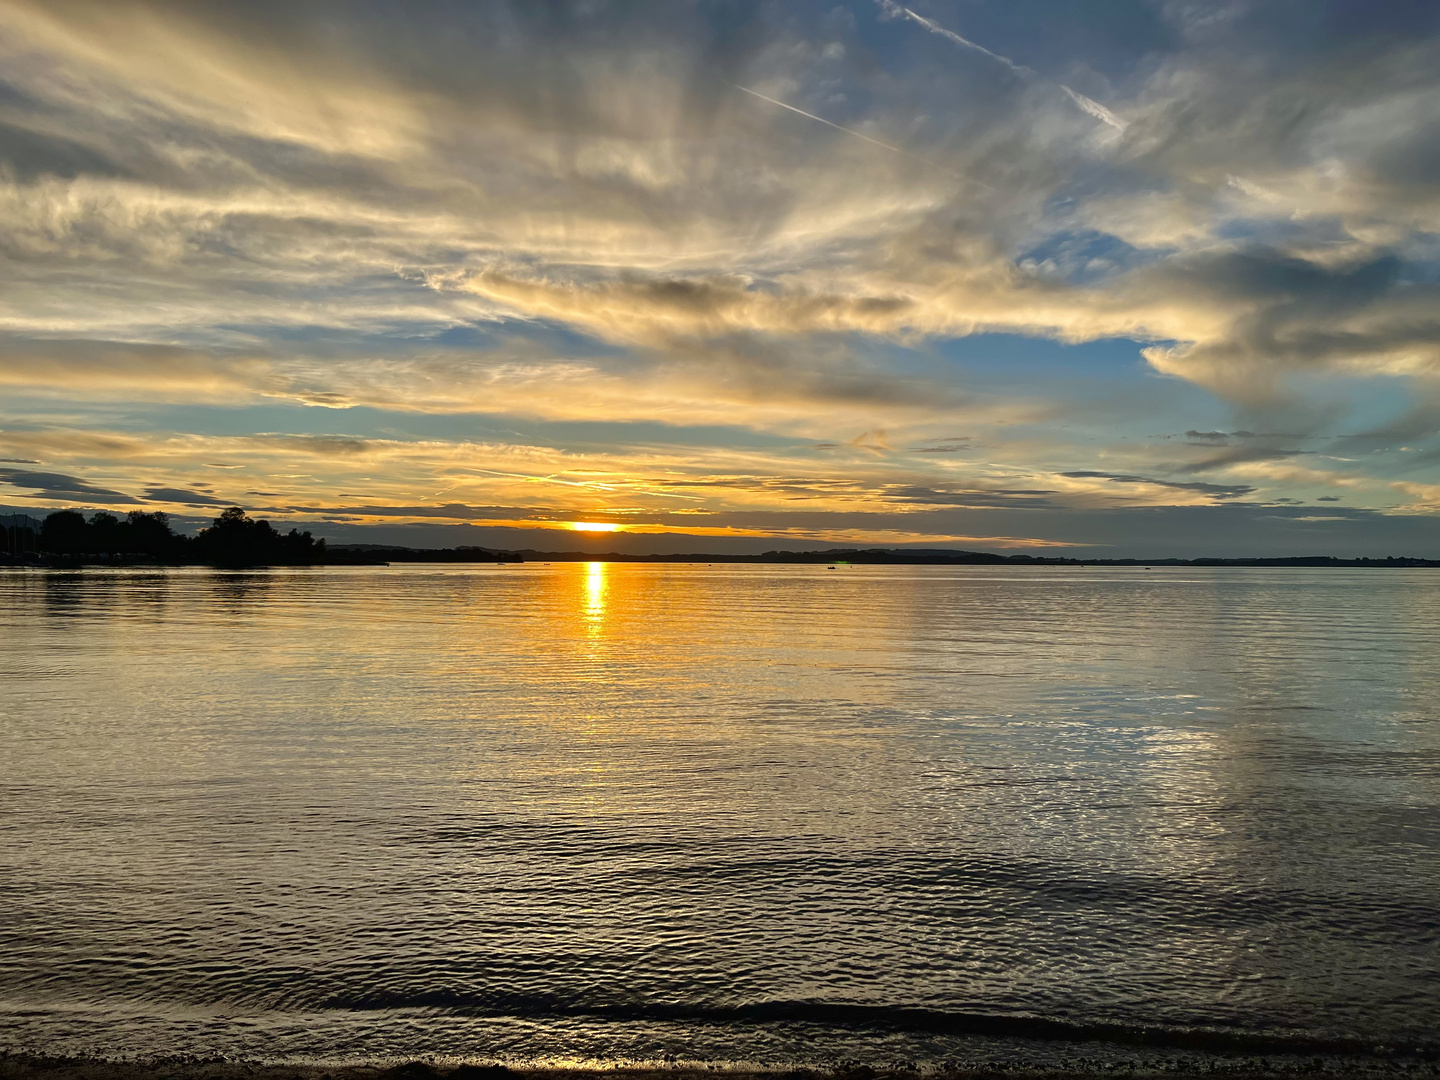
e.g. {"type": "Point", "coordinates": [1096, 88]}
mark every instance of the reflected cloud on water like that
{"type": "Point", "coordinates": [1168, 799]}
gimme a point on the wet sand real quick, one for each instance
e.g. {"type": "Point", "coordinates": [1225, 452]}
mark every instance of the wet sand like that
{"type": "Point", "coordinates": [32, 1067]}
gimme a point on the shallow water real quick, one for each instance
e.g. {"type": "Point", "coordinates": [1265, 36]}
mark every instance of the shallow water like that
{"type": "Point", "coordinates": [762, 813]}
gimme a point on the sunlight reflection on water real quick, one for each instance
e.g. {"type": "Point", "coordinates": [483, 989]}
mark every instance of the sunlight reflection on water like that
{"type": "Point", "coordinates": [595, 585]}
{"type": "Point", "coordinates": [609, 810]}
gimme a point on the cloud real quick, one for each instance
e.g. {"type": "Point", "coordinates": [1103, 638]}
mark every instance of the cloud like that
{"type": "Point", "coordinates": [1220, 438]}
{"type": "Point", "coordinates": [1217, 491]}
{"type": "Point", "coordinates": [448, 511]}
{"type": "Point", "coordinates": [318, 187]}
{"type": "Point", "coordinates": [918, 495]}
{"type": "Point", "coordinates": [81, 368]}
{"type": "Point", "coordinates": [47, 485]}
{"type": "Point", "coordinates": [838, 127]}
{"type": "Point", "coordinates": [1086, 105]}
{"type": "Point", "coordinates": [954, 444]}
{"type": "Point", "coordinates": [1275, 314]}
{"type": "Point", "coordinates": [657, 310]}
{"type": "Point", "coordinates": [538, 238]}
{"type": "Point", "coordinates": [1240, 455]}
{"type": "Point", "coordinates": [184, 497]}
{"type": "Point", "coordinates": [328, 446]}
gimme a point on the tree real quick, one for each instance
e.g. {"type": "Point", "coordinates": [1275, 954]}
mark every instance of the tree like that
{"type": "Point", "coordinates": [235, 539]}
{"type": "Point", "coordinates": [150, 534]}
{"type": "Point", "coordinates": [64, 533]}
{"type": "Point", "coordinates": [104, 536]}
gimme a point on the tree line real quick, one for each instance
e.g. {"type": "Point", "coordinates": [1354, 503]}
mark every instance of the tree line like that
{"type": "Point", "coordinates": [233, 539]}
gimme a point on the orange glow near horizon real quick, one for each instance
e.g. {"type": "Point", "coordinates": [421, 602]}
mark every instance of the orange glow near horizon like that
{"type": "Point", "coordinates": [774, 537]}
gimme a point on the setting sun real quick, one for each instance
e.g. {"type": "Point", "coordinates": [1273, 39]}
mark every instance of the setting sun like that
{"type": "Point", "coordinates": [593, 526]}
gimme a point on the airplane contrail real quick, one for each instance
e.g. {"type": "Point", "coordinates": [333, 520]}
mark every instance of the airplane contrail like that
{"type": "Point", "coordinates": [858, 135]}
{"type": "Point", "coordinates": [1094, 108]}
{"type": "Point", "coordinates": [828, 123]}
{"type": "Point", "coordinates": [1087, 105]}
{"type": "Point", "coordinates": [936, 28]}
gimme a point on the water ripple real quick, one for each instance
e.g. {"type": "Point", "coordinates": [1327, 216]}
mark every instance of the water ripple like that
{"type": "Point", "coordinates": [758, 813]}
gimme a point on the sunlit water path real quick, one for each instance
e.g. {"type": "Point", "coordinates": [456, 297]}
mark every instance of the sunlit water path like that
{"type": "Point", "coordinates": [780, 813]}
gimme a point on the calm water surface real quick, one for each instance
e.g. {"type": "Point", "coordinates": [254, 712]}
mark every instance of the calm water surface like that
{"type": "Point", "coordinates": [783, 813]}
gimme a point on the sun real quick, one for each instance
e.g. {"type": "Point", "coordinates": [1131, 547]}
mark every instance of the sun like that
{"type": "Point", "coordinates": [593, 526]}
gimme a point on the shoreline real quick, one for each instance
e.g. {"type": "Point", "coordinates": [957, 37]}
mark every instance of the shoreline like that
{"type": "Point", "coordinates": [845, 559]}
{"type": "Point", "coordinates": [34, 1066]}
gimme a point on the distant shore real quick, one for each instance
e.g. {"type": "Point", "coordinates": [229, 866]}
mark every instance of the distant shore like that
{"type": "Point", "coordinates": [379, 555]}
{"type": "Point", "coordinates": [833, 562]}
{"type": "Point", "coordinates": [67, 540]}
{"type": "Point", "coordinates": [890, 557]}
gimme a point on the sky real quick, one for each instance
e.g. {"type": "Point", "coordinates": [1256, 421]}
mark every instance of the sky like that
{"type": "Point", "coordinates": [1092, 277]}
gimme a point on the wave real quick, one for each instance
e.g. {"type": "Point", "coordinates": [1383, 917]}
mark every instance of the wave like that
{"type": "Point", "coordinates": [908, 1019]}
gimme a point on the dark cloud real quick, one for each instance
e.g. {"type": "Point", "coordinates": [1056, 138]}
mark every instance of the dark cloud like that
{"type": "Point", "coordinates": [954, 445]}
{"type": "Point", "coordinates": [319, 445]}
{"type": "Point", "coordinates": [454, 511]}
{"type": "Point", "coordinates": [33, 154]}
{"type": "Point", "coordinates": [1218, 491]}
{"type": "Point", "coordinates": [1238, 455]}
{"type": "Point", "coordinates": [187, 498]}
{"type": "Point", "coordinates": [788, 486]}
{"type": "Point", "coordinates": [921, 495]}
{"type": "Point", "coordinates": [1206, 438]}
{"type": "Point", "coordinates": [814, 488]}
{"type": "Point", "coordinates": [1294, 314]}
{"type": "Point", "coordinates": [60, 486]}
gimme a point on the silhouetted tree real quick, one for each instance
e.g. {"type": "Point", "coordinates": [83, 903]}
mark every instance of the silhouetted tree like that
{"type": "Point", "coordinates": [65, 532]}
{"type": "Point", "coordinates": [150, 534]}
{"type": "Point", "coordinates": [103, 537]}
{"type": "Point", "coordinates": [236, 539]}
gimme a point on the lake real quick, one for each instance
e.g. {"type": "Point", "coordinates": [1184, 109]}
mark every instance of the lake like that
{"type": "Point", "coordinates": [604, 812]}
